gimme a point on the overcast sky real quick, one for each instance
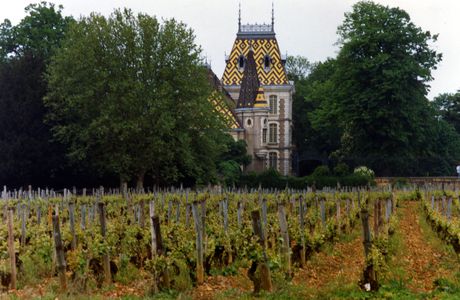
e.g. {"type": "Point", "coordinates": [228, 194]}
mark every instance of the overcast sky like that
{"type": "Point", "coordinates": [303, 27]}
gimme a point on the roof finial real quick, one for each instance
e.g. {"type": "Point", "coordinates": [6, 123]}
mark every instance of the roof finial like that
{"type": "Point", "coordinates": [273, 16]}
{"type": "Point", "coordinates": [239, 17]}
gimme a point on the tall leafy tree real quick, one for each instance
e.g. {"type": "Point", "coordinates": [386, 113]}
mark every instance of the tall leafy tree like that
{"type": "Point", "coordinates": [298, 67]}
{"type": "Point", "coordinates": [383, 69]}
{"type": "Point", "coordinates": [316, 133]}
{"type": "Point", "coordinates": [130, 94]}
{"type": "Point", "coordinates": [38, 34]}
{"type": "Point", "coordinates": [447, 106]}
{"type": "Point", "coordinates": [26, 152]}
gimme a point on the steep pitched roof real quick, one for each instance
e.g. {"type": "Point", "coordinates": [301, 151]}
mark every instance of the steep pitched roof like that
{"type": "Point", "coordinates": [222, 101]}
{"type": "Point", "coordinates": [264, 44]}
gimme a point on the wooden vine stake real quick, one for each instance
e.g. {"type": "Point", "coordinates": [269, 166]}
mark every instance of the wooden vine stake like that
{"type": "Point", "coordinates": [23, 225]}
{"type": "Point", "coordinates": [225, 215]}
{"type": "Point", "coordinates": [239, 213]}
{"type": "Point", "coordinates": [199, 243]}
{"type": "Point", "coordinates": [376, 217]}
{"type": "Point", "coordinates": [164, 276]}
{"type": "Point", "coordinates": [60, 259]}
{"type": "Point", "coordinates": [73, 243]}
{"type": "Point", "coordinates": [106, 259]}
{"type": "Point", "coordinates": [369, 280]}
{"type": "Point", "coordinates": [203, 225]}
{"type": "Point", "coordinates": [285, 249]}
{"type": "Point", "coordinates": [338, 214]}
{"type": "Point", "coordinates": [152, 227]}
{"type": "Point", "coordinates": [302, 231]}
{"type": "Point", "coordinates": [39, 214]}
{"type": "Point", "coordinates": [259, 272]}
{"type": "Point", "coordinates": [141, 214]}
{"type": "Point", "coordinates": [11, 251]}
{"type": "Point", "coordinates": [323, 212]}
{"type": "Point", "coordinates": [83, 217]}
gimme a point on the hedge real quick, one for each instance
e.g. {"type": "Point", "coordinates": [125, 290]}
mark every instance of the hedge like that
{"type": "Point", "coordinates": [272, 179]}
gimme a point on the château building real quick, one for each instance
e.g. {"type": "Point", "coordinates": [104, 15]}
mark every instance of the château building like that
{"type": "Point", "coordinates": [257, 97]}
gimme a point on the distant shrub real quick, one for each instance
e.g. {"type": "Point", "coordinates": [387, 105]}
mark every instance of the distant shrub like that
{"type": "Point", "coordinates": [342, 169]}
{"type": "Point", "coordinates": [364, 171]}
{"type": "Point", "coordinates": [321, 171]}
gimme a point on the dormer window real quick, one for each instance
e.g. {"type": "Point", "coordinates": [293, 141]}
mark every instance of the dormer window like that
{"type": "Point", "coordinates": [267, 62]}
{"type": "Point", "coordinates": [241, 62]}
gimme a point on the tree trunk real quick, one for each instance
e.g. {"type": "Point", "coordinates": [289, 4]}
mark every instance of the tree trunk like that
{"type": "Point", "coordinates": [140, 181]}
{"type": "Point", "coordinates": [123, 182]}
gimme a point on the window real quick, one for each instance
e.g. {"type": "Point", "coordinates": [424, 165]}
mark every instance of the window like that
{"type": "Point", "coordinates": [249, 122]}
{"type": "Point", "coordinates": [273, 133]}
{"type": "Point", "coordinates": [273, 105]}
{"type": "Point", "coordinates": [264, 135]}
{"type": "Point", "coordinates": [267, 62]}
{"type": "Point", "coordinates": [241, 62]}
{"type": "Point", "coordinates": [273, 160]}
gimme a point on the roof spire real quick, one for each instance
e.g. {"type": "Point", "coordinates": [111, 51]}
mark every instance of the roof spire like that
{"type": "Point", "coordinates": [239, 17]}
{"type": "Point", "coordinates": [249, 84]}
{"type": "Point", "coordinates": [273, 16]}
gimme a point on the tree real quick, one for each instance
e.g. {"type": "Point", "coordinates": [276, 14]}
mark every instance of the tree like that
{"type": "Point", "coordinates": [383, 68]}
{"type": "Point", "coordinates": [298, 67]}
{"type": "Point", "coordinates": [26, 152]}
{"type": "Point", "coordinates": [39, 33]}
{"type": "Point", "coordinates": [442, 150]}
{"type": "Point", "coordinates": [448, 107]}
{"type": "Point", "coordinates": [130, 94]}
{"type": "Point", "coordinates": [232, 160]}
{"type": "Point", "coordinates": [316, 132]}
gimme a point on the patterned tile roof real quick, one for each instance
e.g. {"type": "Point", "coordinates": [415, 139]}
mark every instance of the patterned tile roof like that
{"type": "Point", "coordinates": [222, 101]}
{"type": "Point", "coordinates": [263, 46]}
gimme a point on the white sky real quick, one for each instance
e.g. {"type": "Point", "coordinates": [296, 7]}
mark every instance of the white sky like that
{"type": "Point", "coordinates": [303, 27]}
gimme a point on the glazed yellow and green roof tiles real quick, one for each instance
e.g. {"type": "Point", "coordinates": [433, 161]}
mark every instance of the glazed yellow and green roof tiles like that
{"type": "Point", "coordinates": [223, 108]}
{"type": "Point", "coordinates": [275, 75]}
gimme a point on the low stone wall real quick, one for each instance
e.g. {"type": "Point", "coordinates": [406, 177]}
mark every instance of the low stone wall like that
{"type": "Point", "coordinates": [422, 181]}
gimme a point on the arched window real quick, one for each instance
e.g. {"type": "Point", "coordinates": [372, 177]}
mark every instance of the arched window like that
{"type": "Point", "coordinates": [273, 160]}
{"type": "Point", "coordinates": [267, 62]}
{"type": "Point", "coordinates": [273, 133]}
{"type": "Point", "coordinates": [241, 62]}
{"type": "Point", "coordinates": [273, 104]}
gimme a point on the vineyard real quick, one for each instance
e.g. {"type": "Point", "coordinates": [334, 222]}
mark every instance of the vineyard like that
{"type": "Point", "coordinates": [346, 243]}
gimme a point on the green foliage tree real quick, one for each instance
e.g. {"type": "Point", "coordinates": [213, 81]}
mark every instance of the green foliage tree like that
{"type": "Point", "coordinates": [298, 67]}
{"type": "Point", "coordinates": [442, 150]}
{"type": "Point", "coordinates": [39, 33]}
{"type": "Point", "coordinates": [232, 160]}
{"type": "Point", "coordinates": [130, 94]}
{"type": "Point", "coordinates": [447, 106]}
{"type": "Point", "coordinates": [316, 133]}
{"type": "Point", "coordinates": [383, 68]}
{"type": "Point", "coordinates": [369, 107]}
{"type": "Point", "coordinates": [26, 152]}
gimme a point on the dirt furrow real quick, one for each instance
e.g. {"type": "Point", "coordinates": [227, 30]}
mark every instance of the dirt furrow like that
{"type": "Point", "coordinates": [422, 263]}
{"type": "Point", "coordinates": [343, 265]}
